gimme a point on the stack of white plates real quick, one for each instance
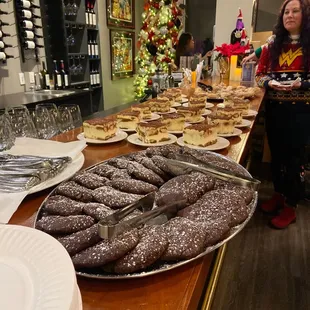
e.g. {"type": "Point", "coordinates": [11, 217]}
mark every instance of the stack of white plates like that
{"type": "Point", "coordinates": [36, 272]}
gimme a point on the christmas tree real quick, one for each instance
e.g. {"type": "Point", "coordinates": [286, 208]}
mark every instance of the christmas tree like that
{"type": "Point", "coordinates": [157, 39]}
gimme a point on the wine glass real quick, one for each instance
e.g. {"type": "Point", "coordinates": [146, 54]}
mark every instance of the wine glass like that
{"type": "Point", "coordinates": [74, 8]}
{"type": "Point", "coordinates": [223, 66]}
{"type": "Point", "coordinates": [7, 135]}
{"type": "Point", "coordinates": [72, 67]}
{"type": "Point", "coordinates": [75, 112]}
{"type": "Point", "coordinates": [68, 9]}
{"type": "Point", "coordinates": [54, 115]}
{"type": "Point", "coordinates": [79, 67]}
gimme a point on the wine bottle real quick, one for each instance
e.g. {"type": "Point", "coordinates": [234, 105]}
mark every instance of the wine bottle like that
{"type": "Point", "coordinates": [64, 75]}
{"type": "Point", "coordinates": [96, 51]}
{"type": "Point", "coordinates": [3, 23]}
{"type": "Point", "coordinates": [4, 56]}
{"type": "Point", "coordinates": [94, 18]}
{"type": "Point", "coordinates": [4, 45]}
{"type": "Point", "coordinates": [57, 76]}
{"type": "Point", "coordinates": [90, 48]}
{"type": "Point", "coordinates": [27, 4]}
{"type": "Point", "coordinates": [28, 34]}
{"type": "Point", "coordinates": [87, 14]}
{"type": "Point", "coordinates": [26, 14]}
{"type": "Point", "coordinates": [34, 16]}
{"type": "Point", "coordinates": [3, 12]}
{"type": "Point", "coordinates": [29, 45]}
{"type": "Point", "coordinates": [26, 24]}
{"type": "Point", "coordinates": [91, 75]}
{"type": "Point", "coordinates": [45, 77]}
{"type": "Point", "coordinates": [3, 34]}
{"type": "Point", "coordinates": [169, 78]}
{"type": "Point", "coordinates": [97, 76]}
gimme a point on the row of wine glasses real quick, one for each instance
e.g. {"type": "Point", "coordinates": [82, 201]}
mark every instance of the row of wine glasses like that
{"type": "Point", "coordinates": [43, 122]}
{"type": "Point", "coordinates": [71, 8]}
{"type": "Point", "coordinates": [76, 67]}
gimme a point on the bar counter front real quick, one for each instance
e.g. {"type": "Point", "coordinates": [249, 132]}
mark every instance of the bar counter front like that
{"type": "Point", "coordinates": [190, 286]}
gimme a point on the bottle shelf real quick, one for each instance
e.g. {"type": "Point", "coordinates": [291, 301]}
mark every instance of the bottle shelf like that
{"type": "Point", "coordinates": [79, 83]}
{"type": "Point", "coordinates": [94, 59]}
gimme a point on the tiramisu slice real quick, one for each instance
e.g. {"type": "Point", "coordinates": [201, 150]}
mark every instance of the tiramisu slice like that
{"type": "Point", "coordinates": [192, 114]}
{"type": "Point", "coordinates": [243, 104]}
{"type": "Point", "coordinates": [200, 134]}
{"type": "Point", "coordinates": [128, 119]}
{"type": "Point", "coordinates": [144, 110]}
{"type": "Point", "coordinates": [159, 104]}
{"type": "Point", "coordinates": [224, 123]}
{"type": "Point", "coordinates": [174, 121]}
{"type": "Point", "coordinates": [100, 128]}
{"type": "Point", "coordinates": [152, 132]}
{"type": "Point", "coordinates": [199, 102]}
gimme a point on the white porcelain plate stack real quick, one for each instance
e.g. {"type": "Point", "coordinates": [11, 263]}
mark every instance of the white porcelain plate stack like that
{"type": "Point", "coordinates": [36, 272]}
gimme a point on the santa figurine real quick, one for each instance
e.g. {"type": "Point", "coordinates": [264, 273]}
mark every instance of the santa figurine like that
{"type": "Point", "coordinates": [244, 39]}
{"type": "Point", "coordinates": [237, 33]}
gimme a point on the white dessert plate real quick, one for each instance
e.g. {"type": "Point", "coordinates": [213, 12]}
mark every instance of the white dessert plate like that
{"type": "Point", "coordinates": [206, 112]}
{"type": "Point", "coordinates": [172, 110]}
{"type": "Point", "coordinates": [176, 104]}
{"type": "Point", "coordinates": [134, 139]}
{"type": "Point", "coordinates": [251, 113]}
{"type": "Point", "coordinates": [202, 119]}
{"type": "Point", "coordinates": [127, 130]}
{"type": "Point", "coordinates": [221, 143]}
{"type": "Point", "coordinates": [209, 105]}
{"type": "Point", "coordinates": [237, 132]}
{"type": "Point", "coordinates": [36, 271]}
{"type": "Point", "coordinates": [184, 100]}
{"type": "Point", "coordinates": [120, 135]}
{"type": "Point", "coordinates": [184, 96]}
{"type": "Point", "coordinates": [154, 117]}
{"type": "Point", "coordinates": [68, 172]}
{"type": "Point", "coordinates": [245, 123]}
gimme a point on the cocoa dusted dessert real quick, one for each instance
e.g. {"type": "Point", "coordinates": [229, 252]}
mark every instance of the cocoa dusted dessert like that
{"type": "Point", "coordinates": [74, 191]}
{"type": "Point", "coordinates": [133, 186]}
{"type": "Point", "coordinates": [199, 102]}
{"type": "Point", "coordinates": [61, 205]}
{"type": "Point", "coordinates": [174, 121]}
{"type": "Point", "coordinates": [200, 134]}
{"type": "Point", "coordinates": [224, 123]}
{"type": "Point", "coordinates": [152, 132]}
{"type": "Point", "coordinates": [144, 109]}
{"type": "Point", "coordinates": [128, 119]}
{"type": "Point", "coordinates": [159, 104]}
{"type": "Point", "coordinates": [100, 128]}
{"type": "Point", "coordinates": [192, 114]}
{"type": "Point", "coordinates": [90, 180]}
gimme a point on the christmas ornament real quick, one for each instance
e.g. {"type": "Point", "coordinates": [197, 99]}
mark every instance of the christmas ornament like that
{"type": "Point", "coordinates": [170, 24]}
{"type": "Point", "coordinates": [177, 23]}
{"type": "Point", "coordinates": [151, 48]}
{"type": "Point", "coordinates": [163, 30]}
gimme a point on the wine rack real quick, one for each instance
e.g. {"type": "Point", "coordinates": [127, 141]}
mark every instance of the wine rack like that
{"type": "Point", "coordinates": [26, 17]}
{"type": "Point", "coordinates": [3, 34]}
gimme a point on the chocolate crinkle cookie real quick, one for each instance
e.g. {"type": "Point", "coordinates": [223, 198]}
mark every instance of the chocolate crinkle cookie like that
{"type": "Point", "coordinates": [80, 240]}
{"type": "Point", "coordinates": [152, 244]}
{"type": "Point", "coordinates": [104, 170]}
{"type": "Point", "coordinates": [161, 163]}
{"type": "Point", "coordinates": [114, 198]}
{"type": "Point", "coordinates": [186, 239]}
{"type": "Point", "coordinates": [106, 250]}
{"type": "Point", "coordinates": [133, 186]}
{"type": "Point", "coordinates": [61, 205]}
{"type": "Point", "coordinates": [141, 173]}
{"type": "Point", "coordinates": [218, 205]}
{"type": "Point", "coordinates": [55, 224]}
{"type": "Point", "coordinates": [119, 162]}
{"type": "Point", "coordinates": [96, 210]}
{"type": "Point", "coordinates": [74, 191]}
{"type": "Point", "coordinates": [246, 193]}
{"type": "Point", "coordinates": [189, 187]}
{"type": "Point", "coordinates": [90, 180]}
{"type": "Point", "coordinates": [168, 151]}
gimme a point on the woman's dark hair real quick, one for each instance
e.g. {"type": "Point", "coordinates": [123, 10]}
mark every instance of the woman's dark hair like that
{"type": "Point", "coordinates": [184, 39]}
{"type": "Point", "coordinates": [281, 35]}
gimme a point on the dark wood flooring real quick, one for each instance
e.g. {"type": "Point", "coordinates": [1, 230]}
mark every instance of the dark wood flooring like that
{"type": "Point", "coordinates": [264, 268]}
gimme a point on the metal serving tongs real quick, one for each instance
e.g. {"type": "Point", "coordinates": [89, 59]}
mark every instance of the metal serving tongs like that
{"type": "Point", "coordinates": [110, 226]}
{"type": "Point", "coordinates": [187, 163]}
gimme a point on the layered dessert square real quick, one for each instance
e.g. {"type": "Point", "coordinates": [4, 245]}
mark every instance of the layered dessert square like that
{"type": "Point", "coordinates": [192, 114]}
{"type": "Point", "coordinates": [176, 92]}
{"type": "Point", "coordinates": [200, 134]}
{"type": "Point", "coordinates": [100, 128]}
{"type": "Point", "coordinates": [225, 124]}
{"type": "Point", "coordinates": [243, 104]}
{"type": "Point", "coordinates": [174, 121]}
{"type": "Point", "coordinates": [162, 104]}
{"type": "Point", "coordinates": [197, 102]}
{"type": "Point", "coordinates": [144, 109]}
{"type": "Point", "coordinates": [226, 111]}
{"type": "Point", "coordinates": [152, 132]}
{"type": "Point", "coordinates": [128, 119]}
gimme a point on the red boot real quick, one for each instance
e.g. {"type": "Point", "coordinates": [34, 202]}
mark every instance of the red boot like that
{"type": "Point", "coordinates": [276, 202]}
{"type": "Point", "coordinates": [285, 218]}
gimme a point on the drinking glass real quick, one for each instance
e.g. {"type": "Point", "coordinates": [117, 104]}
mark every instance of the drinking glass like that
{"type": "Point", "coordinates": [223, 66]}
{"type": "Point", "coordinates": [21, 121]}
{"type": "Point", "coordinates": [65, 119]}
{"type": "Point", "coordinates": [53, 116]}
{"type": "Point", "coordinates": [79, 67]}
{"type": "Point", "coordinates": [75, 112]}
{"type": "Point", "coordinates": [74, 8]}
{"type": "Point", "coordinates": [7, 135]}
{"type": "Point", "coordinates": [73, 67]}
{"type": "Point", "coordinates": [68, 9]}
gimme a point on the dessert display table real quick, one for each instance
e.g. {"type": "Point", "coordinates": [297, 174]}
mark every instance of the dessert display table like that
{"type": "Point", "coordinates": [181, 288]}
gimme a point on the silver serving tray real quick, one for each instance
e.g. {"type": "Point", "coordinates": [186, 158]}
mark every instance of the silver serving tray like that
{"type": "Point", "coordinates": [159, 268]}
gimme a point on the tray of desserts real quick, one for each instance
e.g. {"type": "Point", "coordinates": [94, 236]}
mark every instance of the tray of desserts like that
{"type": "Point", "coordinates": [213, 212]}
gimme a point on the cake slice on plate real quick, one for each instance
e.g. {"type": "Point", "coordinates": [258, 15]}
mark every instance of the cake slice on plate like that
{"type": "Point", "coordinates": [128, 119]}
{"type": "Point", "coordinates": [200, 134]}
{"type": "Point", "coordinates": [144, 110]}
{"type": "Point", "coordinates": [100, 128]}
{"type": "Point", "coordinates": [152, 132]}
{"type": "Point", "coordinates": [174, 121]}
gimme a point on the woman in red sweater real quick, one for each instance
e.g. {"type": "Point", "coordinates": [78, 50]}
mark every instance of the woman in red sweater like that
{"type": "Point", "coordinates": [284, 70]}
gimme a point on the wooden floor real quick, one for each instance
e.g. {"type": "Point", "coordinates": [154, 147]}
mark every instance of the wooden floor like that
{"type": "Point", "coordinates": [267, 269]}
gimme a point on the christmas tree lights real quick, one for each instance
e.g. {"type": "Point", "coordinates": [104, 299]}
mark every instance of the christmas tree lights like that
{"type": "Point", "coordinates": [157, 39]}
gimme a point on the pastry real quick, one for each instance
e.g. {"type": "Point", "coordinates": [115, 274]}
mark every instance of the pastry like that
{"type": "Point", "coordinates": [97, 211]}
{"type": "Point", "coordinates": [128, 119]}
{"type": "Point", "coordinates": [224, 123]}
{"type": "Point", "coordinates": [160, 104]}
{"type": "Point", "coordinates": [89, 180]}
{"type": "Point", "coordinates": [100, 128]}
{"type": "Point", "coordinates": [152, 132]}
{"type": "Point", "coordinates": [192, 114]}
{"type": "Point", "coordinates": [133, 186]}
{"type": "Point", "coordinates": [173, 121]}
{"type": "Point", "coordinates": [200, 134]}
{"type": "Point", "coordinates": [74, 191]}
{"type": "Point", "coordinates": [61, 205]}
{"type": "Point", "coordinates": [144, 110]}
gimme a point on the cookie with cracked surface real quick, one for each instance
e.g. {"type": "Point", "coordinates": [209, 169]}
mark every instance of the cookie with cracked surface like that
{"type": "Point", "coordinates": [90, 180]}
{"type": "Point", "coordinates": [61, 205]}
{"type": "Point", "coordinates": [96, 210]}
{"type": "Point", "coordinates": [74, 191]}
{"type": "Point", "coordinates": [133, 186]}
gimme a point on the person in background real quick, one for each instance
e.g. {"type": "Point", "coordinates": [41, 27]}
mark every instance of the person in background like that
{"type": "Point", "coordinates": [185, 47]}
{"type": "Point", "coordinates": [287, 60]}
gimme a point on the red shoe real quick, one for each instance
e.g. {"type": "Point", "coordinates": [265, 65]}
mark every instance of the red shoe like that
{"type": "Point", "coordinates": [276, 202]}
{"type": "Point", "coordinates": [285, 218]}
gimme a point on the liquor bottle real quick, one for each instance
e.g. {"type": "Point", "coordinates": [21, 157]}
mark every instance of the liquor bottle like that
{"type": "Point", "coordinates": [90, 49]}
{"type": "Point", "coordinates": [29, 45]}
{"type": "Point", "coordinates": [26, 4]}
{"type": "Point", "coordinates": [96, 50]}
{"type": "Point", "coordinates": [91, 75]}
{"type": "Point", "coordinates": [64, 75]}
{"type": "Point", "coordinates": [169, 78]}
{"type": "Point", "coordinates": [28, 34]}
{"type": "Point", "coordinates": [93, 16]}
{"type": "Point", "coordinates": [45, 77]}
{"type": "Point", "coordinates": [97, 76]}
{"type": "Point", "coordinates": [237, 32]}
{"type": "Point", "coordinates": [4, 56]}
{"type": "Point", "coordinates": [3, 23]}
{"type": "Point", "coordinates": [57, 77]}
{"type": "Point", "coordinates": [87, 14]}
{"type": "Point", "coordinates": [3, 12]}
{"type": "Point", "coordinates": [3, 34]}
{"type": "Point", "coordinates": [4, 45]}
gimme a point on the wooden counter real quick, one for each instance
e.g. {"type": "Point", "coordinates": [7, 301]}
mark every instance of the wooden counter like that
{"type": "Point", "coordinates": [181, 288]}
